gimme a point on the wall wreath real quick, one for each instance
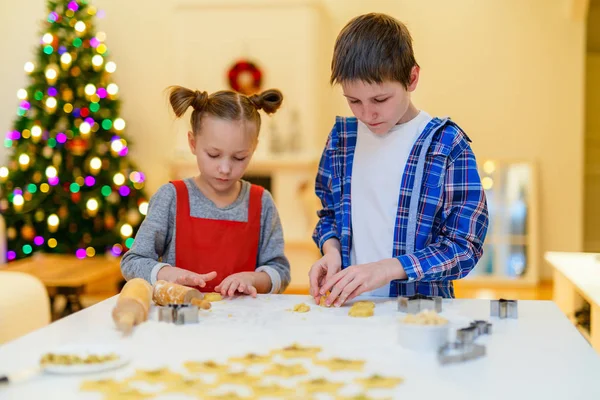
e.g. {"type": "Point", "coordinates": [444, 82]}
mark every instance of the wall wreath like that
{"type": "Point", "coordinates": [245, 77]}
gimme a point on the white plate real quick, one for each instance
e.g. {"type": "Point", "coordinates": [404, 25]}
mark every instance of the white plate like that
{"type": "Point", "coordinates": [84, 350]}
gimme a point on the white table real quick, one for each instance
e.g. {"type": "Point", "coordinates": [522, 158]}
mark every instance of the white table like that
{"type": "Point", "coordinates": [539, 356]}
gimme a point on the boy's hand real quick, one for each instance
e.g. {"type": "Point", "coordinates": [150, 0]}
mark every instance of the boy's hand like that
{"type": "Point", "coordinates": [242, 282]}
{"type": "Point", "coordinates": [184, 277]}
{"type": "Point", "coordinates": [357, 279]}
{"type": "Point", "coordinates": [322, 271]}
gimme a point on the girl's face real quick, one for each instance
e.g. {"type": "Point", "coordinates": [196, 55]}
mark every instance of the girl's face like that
{"type": "Point", "coordinates": [223, 150]}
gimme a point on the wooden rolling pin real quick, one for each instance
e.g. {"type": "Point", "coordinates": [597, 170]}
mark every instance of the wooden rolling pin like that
{"type": "Point", "coordinates": [133, 304]}
{"type": "Point", "coordinates": [172, 293]}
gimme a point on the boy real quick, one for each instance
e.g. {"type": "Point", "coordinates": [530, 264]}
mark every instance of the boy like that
{"type": "Point", "coordinates": [404, 211]}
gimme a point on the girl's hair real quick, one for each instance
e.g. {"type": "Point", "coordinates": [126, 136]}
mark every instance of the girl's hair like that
{"type": "Point", "coordinates": [224, 104]}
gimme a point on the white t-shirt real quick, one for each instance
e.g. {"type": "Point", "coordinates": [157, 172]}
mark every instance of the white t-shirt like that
{"type": "Point", "coordinates": [377, 171]}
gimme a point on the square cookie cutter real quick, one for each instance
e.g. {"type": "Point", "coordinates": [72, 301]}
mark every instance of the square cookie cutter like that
{"type": "Point", "coordinates": [179, 314]}
{"type": "Point", "coordinates": [417, 303]}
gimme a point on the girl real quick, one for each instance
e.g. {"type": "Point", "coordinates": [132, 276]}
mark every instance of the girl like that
{"type": "Point", "coordinates": [215, 231]}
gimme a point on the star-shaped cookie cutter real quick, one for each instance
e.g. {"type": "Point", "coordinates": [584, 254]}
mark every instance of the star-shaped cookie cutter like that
{"type": "Point", "coordinates": [504, 308]}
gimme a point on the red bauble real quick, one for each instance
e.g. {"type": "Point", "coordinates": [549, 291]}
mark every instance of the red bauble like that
{"type": "Point", "coordinates": [77, 146]}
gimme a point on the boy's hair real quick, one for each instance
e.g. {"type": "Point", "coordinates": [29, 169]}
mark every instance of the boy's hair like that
{"type": "Point", "coordinates": [224, 104]}
{"type": "Point", "coordinates": [373, 48]}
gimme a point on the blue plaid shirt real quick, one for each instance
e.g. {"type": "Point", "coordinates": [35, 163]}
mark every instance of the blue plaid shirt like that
{"type": "Point", "coordinates": [451, 213]}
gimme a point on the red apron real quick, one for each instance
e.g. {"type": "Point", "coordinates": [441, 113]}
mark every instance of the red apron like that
{"type": "Point", "coordinates": [204, 245]}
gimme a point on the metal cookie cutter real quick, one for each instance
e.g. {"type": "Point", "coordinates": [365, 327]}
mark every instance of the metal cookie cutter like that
{"type": "Point", "coordinates": [504, 308]}
{"type": "Point", "coordinates": [178, 314]}
{"type": "Point", "coordinates": [455, 352]}
{"type": "Point", "coordinates": [465, 348]}
{"type": "Point", "coordinates": [417, 303]}
{"type": "Point", "coordinates": [473, 331]}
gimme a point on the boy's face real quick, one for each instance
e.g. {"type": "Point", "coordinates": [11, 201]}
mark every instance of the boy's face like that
{"type": "Point", "coordinates": [380, 106]}
{"type": "Point", "coordinates": [223, 150]}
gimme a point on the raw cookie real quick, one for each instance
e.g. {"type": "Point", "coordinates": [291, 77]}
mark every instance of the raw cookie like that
{"type": "Point", "coordinates": [273, 390]}
{"type": "Point", "coordinates": [212, 297]}
{"type": "Point", "coordinates": [286, 371]}
{"type": "Point", "coordinates": [161, 375]}
{"type": "Point", "coordinates": [210, 367]}
{"type": "Point", "coordinates": [250, 359]}
{"type": "Point", "coordinates": [227, 396]}
{"type": "Point", "coordinates": [301, 308]}
{"type": "Point", "coordinates": [341, 364]}
{"type": "Point", "coordinates": [188, 386]}
{"type": "Point", "coordinates": [363, 396]}
{"type": "Point", "coordinates": [321, 385]}
{"type": "Point", "coordinates": [128, 394]}
{"type": "Point", "coordinates": [379, 382]}
{"type": "Point", "coordinates": [238, 378]}
{"type": "Point", "coordinates": [103, 385]}
{"type": "Point", "coordinates": [297, 351]}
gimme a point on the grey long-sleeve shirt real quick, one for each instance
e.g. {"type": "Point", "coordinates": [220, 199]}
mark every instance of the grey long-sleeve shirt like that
{"type": "Point", "coordinates": [154, 245]}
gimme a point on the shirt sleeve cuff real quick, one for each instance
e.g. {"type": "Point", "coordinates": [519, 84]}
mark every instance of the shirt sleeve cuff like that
{"type": "Point", "coordinates": [411, 267]}
{"type": "Point", "coordinates": [325, 238]}
{"type": "Point", "coordinates": [274, 275]}
{"type": "Point", "coordinates": [154, 273]}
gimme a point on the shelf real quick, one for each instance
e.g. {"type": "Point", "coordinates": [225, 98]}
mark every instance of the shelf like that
{"type": "Point", "coordinates": [584, 333]}
{"type": "Point", "coordinates": [499, 281]}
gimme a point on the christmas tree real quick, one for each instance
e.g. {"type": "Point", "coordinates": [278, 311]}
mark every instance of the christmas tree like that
{"type": "Point", "coordinates": [69, 186]}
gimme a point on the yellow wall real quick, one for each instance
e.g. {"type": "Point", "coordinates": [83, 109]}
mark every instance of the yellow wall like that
{"type": "Point", "coordinates": [510, 72]}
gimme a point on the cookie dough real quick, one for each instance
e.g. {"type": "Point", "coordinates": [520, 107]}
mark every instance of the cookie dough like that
{"type": "Point", "coordinates": [426, 317]}
{"type": "Point", "coordinates": [301, 308]}
{"type": "Point", "coordinates": [361, 312]}
{"type": "Point", "coordinates": [322, 300]}
{"type": "Point", "coordinates": [212, 297]}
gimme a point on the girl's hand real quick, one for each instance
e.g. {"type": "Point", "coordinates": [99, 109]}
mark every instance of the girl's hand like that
{"type": "Point", "coordinates": [242, 282]}
{"type": "Point", "coordinates": [184, 277]}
